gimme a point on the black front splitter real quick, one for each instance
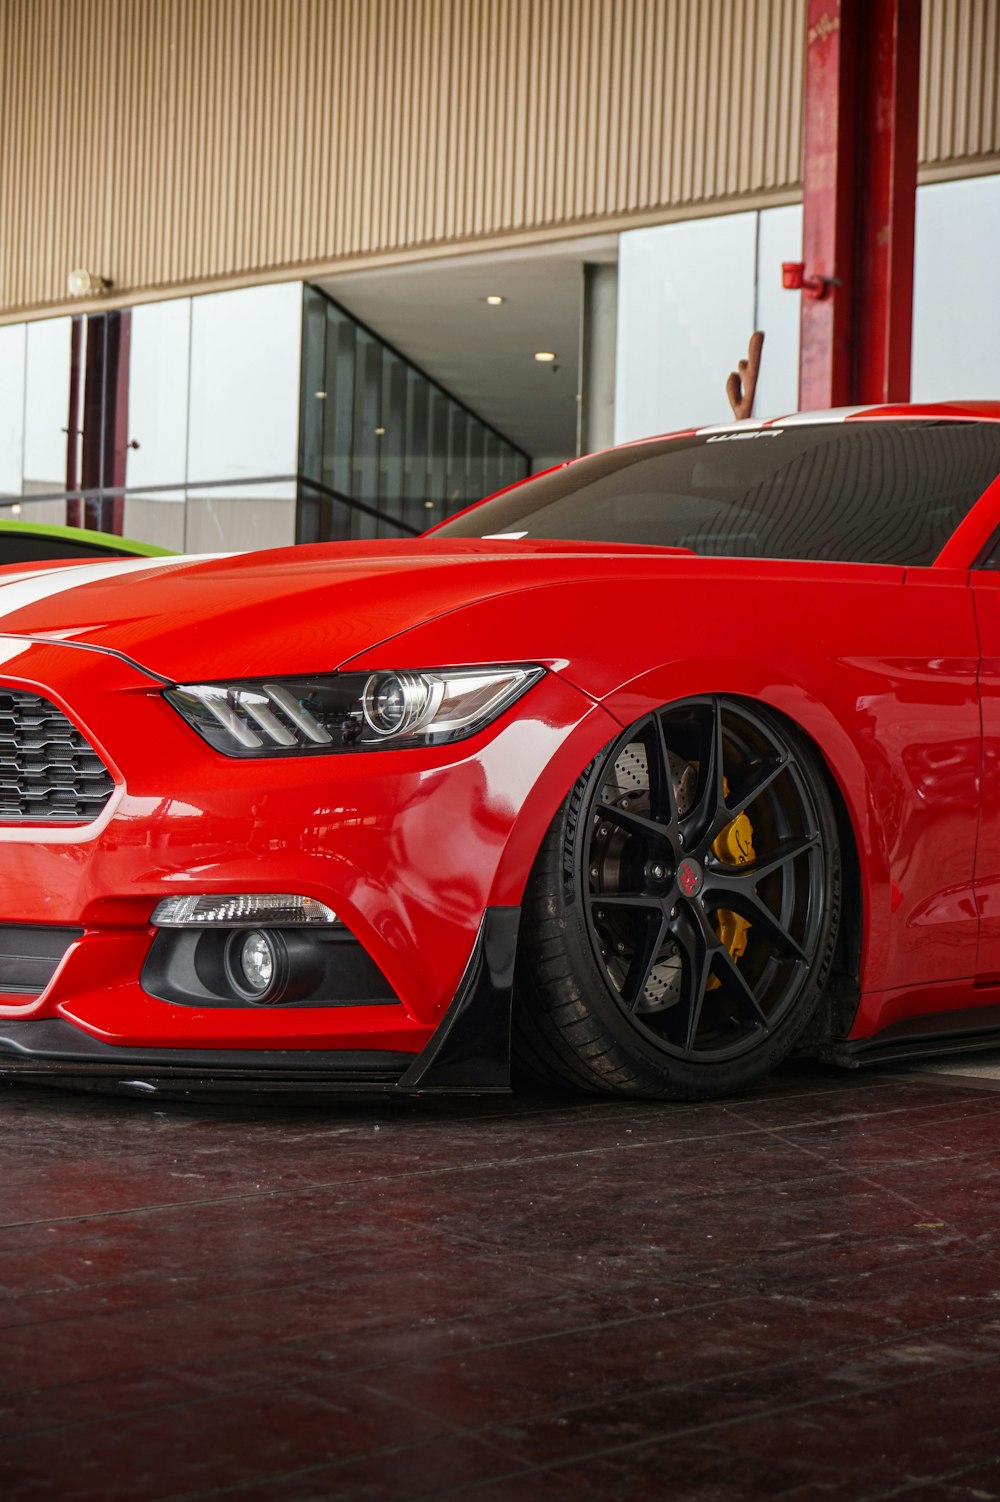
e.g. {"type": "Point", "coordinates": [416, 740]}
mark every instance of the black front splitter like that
{"type": "Point", "coordinates": [468, 1054]}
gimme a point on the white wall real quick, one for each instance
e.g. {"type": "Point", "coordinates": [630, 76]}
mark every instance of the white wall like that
{"type": "Point", "coordinates": [689, 297]}
{"type": "Point", "coordinates": [956, 302]}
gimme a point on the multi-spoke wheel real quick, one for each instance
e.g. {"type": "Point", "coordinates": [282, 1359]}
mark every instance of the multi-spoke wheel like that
{"type": "Point", "coordinates": [681, 918]}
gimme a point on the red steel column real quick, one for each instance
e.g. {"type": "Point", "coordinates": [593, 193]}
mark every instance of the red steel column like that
{"type": "Point", "coordinates": [859, 199]}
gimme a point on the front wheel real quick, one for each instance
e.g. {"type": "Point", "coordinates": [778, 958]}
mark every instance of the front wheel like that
{"type": "Point", "coordinates": [680, 920]}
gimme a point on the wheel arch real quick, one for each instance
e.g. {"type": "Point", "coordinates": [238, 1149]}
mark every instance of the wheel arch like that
{"type": "Point", "coordinates": [866, 871]}
{"type": "Point", "coordinates": [844, 988]}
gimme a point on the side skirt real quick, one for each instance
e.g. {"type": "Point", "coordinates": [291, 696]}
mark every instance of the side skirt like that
{"type": "Point", "coordinates": [936, 1033]}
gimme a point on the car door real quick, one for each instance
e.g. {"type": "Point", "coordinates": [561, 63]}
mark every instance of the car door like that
{"type": "Point", "coordinates": [975, 547]}
{"type": "Point", "coordinates": [984, 578]}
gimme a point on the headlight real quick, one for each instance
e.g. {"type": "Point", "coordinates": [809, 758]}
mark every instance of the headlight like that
{"type": "Point", "coordinates": [350, 711]}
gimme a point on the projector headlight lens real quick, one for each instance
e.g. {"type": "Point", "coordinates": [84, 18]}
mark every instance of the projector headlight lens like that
{"type": "Point", "coordinates": [349, 711]}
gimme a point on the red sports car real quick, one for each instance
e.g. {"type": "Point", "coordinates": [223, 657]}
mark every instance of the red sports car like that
{"type": "Point", "coordinates": [652, 769]}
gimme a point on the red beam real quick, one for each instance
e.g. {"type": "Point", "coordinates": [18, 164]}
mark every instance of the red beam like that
{"type": "Point", "coordinates": [859, 199]}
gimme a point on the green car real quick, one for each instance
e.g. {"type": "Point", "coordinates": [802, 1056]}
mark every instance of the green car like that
{"type": "Point", "coordinates": [34, 542]}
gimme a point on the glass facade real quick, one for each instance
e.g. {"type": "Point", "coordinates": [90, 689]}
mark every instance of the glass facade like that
{"type": "Point", "coordinates": [253, 418]}
{"type": "Point", "coordinates": [385, 451]}
{"type": "Point", "coordinates": [690, 295]}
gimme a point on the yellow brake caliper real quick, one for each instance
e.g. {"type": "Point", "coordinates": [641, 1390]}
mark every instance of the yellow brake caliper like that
{"type": "Point", "coordinates": [734, 847]}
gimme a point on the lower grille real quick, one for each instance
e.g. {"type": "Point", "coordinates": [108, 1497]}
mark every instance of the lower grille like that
{"type": "Point", "coordinates": [30, 955]}
{"type": "Point", "coordinates": [48, 768]}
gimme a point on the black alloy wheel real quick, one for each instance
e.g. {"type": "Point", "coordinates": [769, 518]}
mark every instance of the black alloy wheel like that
{"type": "Point", "coordinates": [681, 918]}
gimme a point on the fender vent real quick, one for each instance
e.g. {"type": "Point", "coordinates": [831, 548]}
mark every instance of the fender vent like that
{"type": "Point", "coordinates": [48, 768]}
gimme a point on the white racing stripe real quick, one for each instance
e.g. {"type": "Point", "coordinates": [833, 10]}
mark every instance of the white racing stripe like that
{"type": "Point", "coordinates": [30, 588]}
{"type": "Point", "coordinates": [830, 414]}
{"type": "Point", "coordinates": [796, 419]}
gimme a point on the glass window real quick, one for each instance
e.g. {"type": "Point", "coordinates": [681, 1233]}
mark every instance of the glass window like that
{"type": "Point", "coordinates": [491, 462]}
{"type": "Point", "coordinates": [685, 314]}
{"type": "Point", "coordinates": [338, 434]}
{"type": "Point", "coordinates": [956, 291]}
{"type": "Point", "coordinates": [13, 348]}
{"type": "Point", "coordinates": [367, 420]}
{"type": "Point", "coordinates": [46, 409]}
{"type": "Point", "coordinates": [437, 460]}
{"type": "Point", "coordinates": [458, 457]}
{"type": "Point", "coordinates": [475, 474]}
{"type": "Point", "coordinates": [418, 391]}
{"type": "Point", "coordinates": [315, 393]}
{"type": "Point", "coordinates": [779, 313]}
{"type": "Point", "coordinates": [158, 369]}
{"type": "Point", "coordinates": [868, 492]}
{"type": "Point", "coordinates": [398, 450]}
{"type": "Point", "coordinates": [246, 355]}
{"type": "Point", "coordinates": [512, 466]}
{"type": "Point", "coordinates": [392, 439]}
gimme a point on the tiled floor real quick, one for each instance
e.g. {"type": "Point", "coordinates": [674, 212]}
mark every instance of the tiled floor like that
{"type": "Point", "coordinates": [792, 1296]}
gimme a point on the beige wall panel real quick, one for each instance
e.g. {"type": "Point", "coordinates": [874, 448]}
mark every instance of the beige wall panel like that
{"type": "Point", "coordinates": [165, 143]}
{"type": "Point", "coordinates": [214, 523]}
{"type": "Point", "coordinates": [959, 81]}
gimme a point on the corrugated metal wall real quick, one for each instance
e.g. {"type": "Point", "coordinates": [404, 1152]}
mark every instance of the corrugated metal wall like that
{"type": "Point", "coordinates": [166, 142]}
{"type": "Point", "coordinates": [959, 80]}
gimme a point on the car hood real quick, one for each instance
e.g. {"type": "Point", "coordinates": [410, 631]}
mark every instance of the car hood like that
{"type": "Point", "coordinates": [303, 609]}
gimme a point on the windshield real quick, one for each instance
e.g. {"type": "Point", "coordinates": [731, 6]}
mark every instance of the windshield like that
{"type": "Point", "coordinates": [860, 491]}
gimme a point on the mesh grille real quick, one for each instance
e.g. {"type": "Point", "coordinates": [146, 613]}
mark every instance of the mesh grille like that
{"type": "Point", "coordinates": [48, 770]}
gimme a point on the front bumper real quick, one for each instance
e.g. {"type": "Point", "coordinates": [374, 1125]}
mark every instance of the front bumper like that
{"type": "Point", "coordinates": [468, 1053]}
{"type": "Point", "coordinates": [416, 851]}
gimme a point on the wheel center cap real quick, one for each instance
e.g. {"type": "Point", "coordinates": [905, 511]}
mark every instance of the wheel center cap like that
{"type": "Point", "coordinates": [690, 877]}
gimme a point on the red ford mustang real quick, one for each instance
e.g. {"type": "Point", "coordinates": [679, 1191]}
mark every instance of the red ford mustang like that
{"type": "Point", "coordinates": [656, 766]}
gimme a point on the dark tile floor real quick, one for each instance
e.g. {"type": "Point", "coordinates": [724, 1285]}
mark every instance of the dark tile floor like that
{"type": "Point", "coordinates": [796, 1295]}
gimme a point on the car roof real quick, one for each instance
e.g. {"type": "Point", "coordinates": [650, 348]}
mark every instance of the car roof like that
{"type": "Point", "coordinates": [955, 411]}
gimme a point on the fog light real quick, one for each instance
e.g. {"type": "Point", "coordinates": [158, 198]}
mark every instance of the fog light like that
{"type": "Point", "coordinates": [257, 962]}
{"type": "Point", "coordinates": [258, 968]}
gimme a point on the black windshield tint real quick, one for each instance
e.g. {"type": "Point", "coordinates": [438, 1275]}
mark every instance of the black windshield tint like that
{"type": "Point", "coordinates": [865, 492]}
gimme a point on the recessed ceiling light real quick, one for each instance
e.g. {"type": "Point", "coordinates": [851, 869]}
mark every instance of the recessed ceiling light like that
{"type": "Point", "coordinates": [494, 299]}
{"type": "Point", "coordinates": [544, 356]}
{"type": "Point", "coordinates": [379, 432]}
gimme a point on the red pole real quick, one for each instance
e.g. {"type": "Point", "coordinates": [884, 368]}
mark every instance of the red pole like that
{"type": "Point", "coordinates": [859, 199]}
